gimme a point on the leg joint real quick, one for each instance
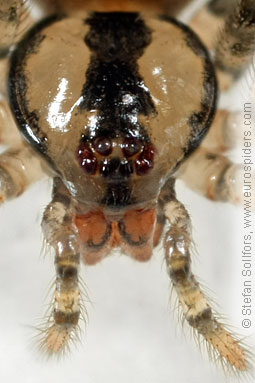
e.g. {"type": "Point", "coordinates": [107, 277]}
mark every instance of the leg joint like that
{"type": "Point", "coordinates": [201, 320]}
{"type": "Point", "coordinates": [179, 268]}
{"type": "Point", "coordinates": [67, 272]}
{"type": "Point", "coordinates": [67, 319]}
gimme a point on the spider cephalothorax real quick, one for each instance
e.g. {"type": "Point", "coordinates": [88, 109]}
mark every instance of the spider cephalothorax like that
{"type": "Point", "coordinates": [113, 101]}
{"type": "Point", "coordinates": [115, 104]}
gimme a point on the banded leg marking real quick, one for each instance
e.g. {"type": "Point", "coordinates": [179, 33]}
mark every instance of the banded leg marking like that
{"type": "Point", "coordinates": [9, 16]}
{"type": "Point", "coordinates": [193, 302]}
{"type": "Point", "coordinates": [15, 19]}
{"type": "Point", "coordinates": [214, 176]}
{"type": "Point", "coordinates": [225, 133]}
{"type": "Point", "coordinates": [209, 20]}
{"type": "Point", "coordinates": [61, 233]}
{"type": "Point", "coordinates": [176, 6]}
{"type": "Point", "coordinates": [236, 43]}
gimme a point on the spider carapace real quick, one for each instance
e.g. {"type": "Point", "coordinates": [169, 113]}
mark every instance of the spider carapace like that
{"type": "Point", "coordinates": [115, 103]}
{"type": "Point", "coordinates": [111, 118]}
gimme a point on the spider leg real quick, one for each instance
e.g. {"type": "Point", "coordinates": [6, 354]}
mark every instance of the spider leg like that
{"type": "Point", "coordinates": [236, 43]}
{"type": "Point", "coordinates": [14, 19]}
{"type": "Point", "coordinates": [193, 301]}
{"type": "Point", "coordinates": [176, 6]}
{"type": "Point", "coordinates": [9, 16]}
{"type": "Point", "coordinates": [9, 134]}
{"type": "Point", "coordinates": [19, 168]}
{"type": "Point", "coordinates": [61, 233]}
{"type": "Point", "coordinates": [233, 22]}
{"type": "Point", "coordinates": [213, 175]}
{"type": "Point", "coordinates": [225, 133]}
{"type": "Point", "coordinates": [210, 19]}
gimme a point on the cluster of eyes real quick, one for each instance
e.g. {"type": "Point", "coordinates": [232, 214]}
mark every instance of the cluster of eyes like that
{"type": "Point", "coordinates": [96, 156]}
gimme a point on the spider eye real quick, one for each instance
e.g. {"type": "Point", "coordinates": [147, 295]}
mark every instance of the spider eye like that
{"type": "Point", "coordinates": [103, 145]}
{"type": "Point", "coordinates": [145, 161]}
{"type": "Point", "coordinates": [87, 159]}
{"type": "Point", "coordinates": [131, 146]}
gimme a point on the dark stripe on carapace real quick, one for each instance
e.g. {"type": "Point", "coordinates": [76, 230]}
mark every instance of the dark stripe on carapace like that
{"type": "Point", "coordinates": [201, 121]}
{"type": "Point", "coordinates": [117, 35]}
{"type": "Point", "coordinates": [113, 85]}
{"type": "Point", "coordinates": [208, 107]}
{"type": "Point", "coordinates": [28, 120]}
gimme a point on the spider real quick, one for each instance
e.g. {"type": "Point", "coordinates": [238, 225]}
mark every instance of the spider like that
{"type": "Point", "coordinates": [114, 100]}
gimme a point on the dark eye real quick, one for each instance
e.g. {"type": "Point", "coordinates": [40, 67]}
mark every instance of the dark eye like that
{"type": "Point", "coordinates": [145, 161]}
{"type": "Point", "coordinates": [103, 145]}
{"type": "Point", "coordinates": [87, 159]}
{"type": "Point", "coordinates": [131, 146]}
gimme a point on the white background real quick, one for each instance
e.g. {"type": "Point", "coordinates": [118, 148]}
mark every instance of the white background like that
{"type": "Point", "coordinates": [132, 334]}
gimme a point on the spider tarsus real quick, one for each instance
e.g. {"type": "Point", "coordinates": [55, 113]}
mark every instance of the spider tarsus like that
{"type": "Point", "coordinates": [57, 338]}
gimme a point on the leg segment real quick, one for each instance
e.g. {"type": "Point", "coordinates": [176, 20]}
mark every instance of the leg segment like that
{"type": "Point", "coordinates": [210, 19]}
{"type": "Point", "coordinates": [193, 302]}
{"type": "Point", "coordinates": [225, 133]}
{"type": "Point", "coordinates": [9, 16]}
{"type": "Point", "coordinates": [61, 233]}
{"type": "Point", "coordinates": [233, 24]}
{"type": "Point", "coordinates": [12, 14]}
{"type": "Point", "coordinates": [19, 168]}
{"type": "Point", "coordinates": [221, 7]}
{"type": "Point", "coordinates": [176, 6]}
{"type": "Point", "coordinates": [9, 134]}
{"type": "Point", "coordinates": [236, 43]}
{"type": "Point", "coordinates": [213, 176]}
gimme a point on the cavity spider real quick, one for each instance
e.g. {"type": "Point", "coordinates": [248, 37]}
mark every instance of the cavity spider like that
{"type": "Point", "coordinates": [114, 100]}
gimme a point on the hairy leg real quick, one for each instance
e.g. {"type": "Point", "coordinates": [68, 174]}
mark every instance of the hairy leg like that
{"type": "Point", "coordinates": [228, 26]}
{"type": "Point", "coordinates": [15, 19]}
{"type": "Point", "coordinates": [236, 43]}
{"type": "Point", "coordinates": [208, 21]}
{"type": "Point", "coordinates": [9, 17]}
{"type": "Point", "coordinates": [61, 233]}
{"type": "Point", "coordinates": [213, 175]}
{"type": "Point", "coordinates": [19, 168]}
{"type": "Point", "coordinates": [194, 304]}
